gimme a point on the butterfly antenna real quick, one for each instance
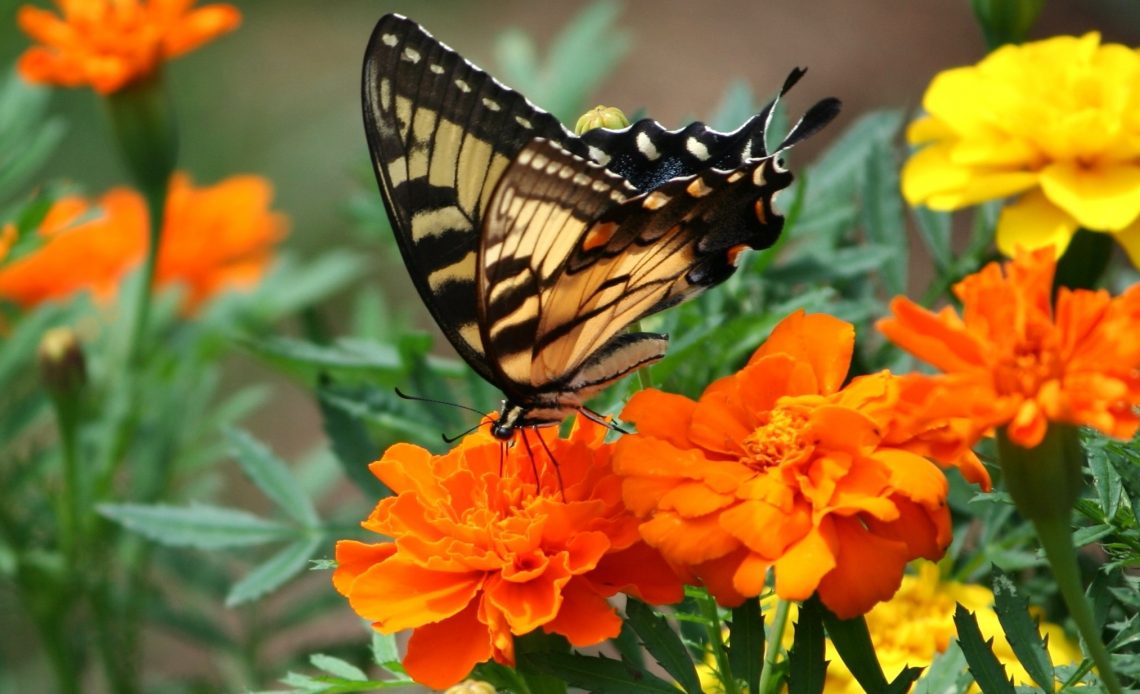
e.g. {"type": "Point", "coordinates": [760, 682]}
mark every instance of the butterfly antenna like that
{"type": "Point", "coordinates": [452, 439]}
{"type": "Point", "coordinates": [405, 396]}
{"type": "Point", "coordinates": [597, 418]}
{"type": "Point", "coordinates": [554, 461]}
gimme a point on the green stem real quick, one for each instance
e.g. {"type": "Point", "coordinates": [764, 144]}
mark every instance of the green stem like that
{"type": "Point", "coordinates": [1057, 539]}
{"type": "Point", "coordinates": [118, 661]}
{"type": "Point", "coordinates": [775, 645]}
{"type": "Point", "coordinates": [714, 628]}
{"type": "Point", "coordinates": [156, 203]}
{"type": "Point", "coordinates": [70, 497]}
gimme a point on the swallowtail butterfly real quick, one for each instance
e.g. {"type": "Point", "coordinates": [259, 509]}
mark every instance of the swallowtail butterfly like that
{"type": "Point", "coordinates": [534, 249]}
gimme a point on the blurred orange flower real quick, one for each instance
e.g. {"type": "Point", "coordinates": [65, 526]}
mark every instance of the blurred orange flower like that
{"type": "Point", "coordinates": [214, 237]}
{"type": "Point", "coordinates": [1013, 359]}
{"type": "Point", "coordinates": [109, 44]}
{"type": "Point", "coordinates": [778, 467]}
{"type": "Point", "coordinates": [481, 551]}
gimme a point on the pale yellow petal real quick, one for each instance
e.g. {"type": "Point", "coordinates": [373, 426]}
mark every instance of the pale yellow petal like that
{"type": "Point", "coordinates": [1129, 240]}
{"type": "Point", "coordinates": [1034, 222]}
{"type": "Point", "coordinates": [928, 129]}
{"type": "Point", "coordinates": [1104, 198]}
{"type": "Point", "coordinates": [932, 177]}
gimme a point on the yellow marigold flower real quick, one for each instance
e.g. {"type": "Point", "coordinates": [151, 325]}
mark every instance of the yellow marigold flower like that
{"type": "Point", "coordinates": [1054, 122]}
{"type": "Point", "coordinates": [108, 44]}
{"type": "Point", "coordinates": [917, 624]}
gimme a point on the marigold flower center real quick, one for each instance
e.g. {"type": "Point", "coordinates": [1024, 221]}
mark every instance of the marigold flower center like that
{"type": "Point", "coordinates": [1031, 363]}
{"type": "Point", "coordinates": [779, 440]}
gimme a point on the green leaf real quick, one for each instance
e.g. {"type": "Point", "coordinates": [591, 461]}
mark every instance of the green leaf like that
{"type": "Point", "coordinates": [292, 286]}
{"type": "Point", "coordinates": [746, 643]}
{"type": "Point", "coordinates": [337, 667]}
{"type": "Point", "coordinates": [1126, 461]}
{"type": "Point", "coordinates": [934, 230]}
{"type": "Point", "coordinates": [852, 642]}
{"type": "Point", "coordinates": [883, 219]}
{"type": "Point", "coordinates": [663, 644]}
{"type": "Point", "coordinates": [274, 572]}
{"type": "Point", "coordinates": [345, 356]}
{"type": "Point", "coordinates": [206, 527]}
{"type": "Point", "coordinates": [351, 443]}
{"type": "Point", "coordinates": [271, 475]}
{"type": "Point", "coordinates": [843, 165]}
{"type": "Point", "coordinates": [27, 135]}
{"type": "Point", "coordinates": [946, 674]}
{"type": "Point", "coordinates": [737, 105]}
{"type": "Point", "coordinates": [988, 672]}
{"type": "Point", "coordinates": [807, 669]}
{"type": "Point", "coordinates": [385, 652]}
{"type": "Point", "coordinates": [597, 674]}
{"type": "Point", "coordinates": [629, 647]}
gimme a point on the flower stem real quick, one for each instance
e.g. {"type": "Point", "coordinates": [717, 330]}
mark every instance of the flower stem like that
{"type": "Point", "coordinates": [775, 645]}
{"type": "Point", "coordinates": [713, 627]}
{"type": "Point", "coordinates": [155, 202]}
{"type": "Point", "coordinates": [1057, 539]}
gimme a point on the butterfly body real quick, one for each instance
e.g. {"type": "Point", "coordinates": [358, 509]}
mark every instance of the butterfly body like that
{"type": "Point", "coordinates": [535, 249]}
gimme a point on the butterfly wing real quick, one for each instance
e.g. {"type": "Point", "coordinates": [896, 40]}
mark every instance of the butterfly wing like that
{"type": "Point", "coordinates": [572, 254]}
{"type": "Point", "coordinates": [441, 133]}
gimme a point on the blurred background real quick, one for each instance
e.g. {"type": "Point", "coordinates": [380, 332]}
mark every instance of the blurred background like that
{"type": "Point", "coordinates": [281, 98]}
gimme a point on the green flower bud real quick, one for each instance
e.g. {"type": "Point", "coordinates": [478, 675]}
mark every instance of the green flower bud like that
{"type": "Point", "coordinates": [143, 122]}
{"type": "Point", "coordinates": [1044, 481]}
{"type": "Point", "coordinates": [62, 365]}
{"type": "Point", "coordinates": [609, 117]}
{"type": "Point", "coordinates": [1006, 21]}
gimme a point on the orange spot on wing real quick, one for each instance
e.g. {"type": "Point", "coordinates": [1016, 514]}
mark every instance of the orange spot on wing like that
{"type": "Point", "coordinates": [598, 235]}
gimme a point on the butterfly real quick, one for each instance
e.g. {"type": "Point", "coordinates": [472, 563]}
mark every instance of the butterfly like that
{"type": "Point", "coordinates": [533, 248]}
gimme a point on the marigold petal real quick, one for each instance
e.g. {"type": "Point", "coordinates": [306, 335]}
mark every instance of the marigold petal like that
{"type": "Point", "coordinates": [1028, 426]}
{"type": "Point", "coordinates": [933, 177]}
{"type": "Point", "coordinates": [799, 571]}
{"type": "Point", "coordinates": [585, 618]}
{"type": "Point", "coordinates": [842, 429]}
{"type": "Point", "coordinates": [661, 415]}
{"type": "Point", "coordinates": [925, 529]}
{"type": "Point", "coordinates": [199, 27]}
{"type": "Point", "coordinates": [527, 606]}
{"type": "Point", "coordinates": [688, 540]}
{"type": "Point", "coordinates": [913, 476]}
{"type": "Point", "coordinates": [718, 576]}
{"type": "Point", "coordinates": [354, 558]}
{"type": "Point", "coordinates": [442, 653]}
{"type": "Point", "coordinates": [397, 595]}
{"type": "Point", "coordinates": [868, 569]}
{"type": "Point", "coordinates": [1129, 240]}
{"type": "Point", "coordinates": [639, 570]}
{"type": "Point", "coordinates": [765, 529]}
{"type": "Point", "coordinates": [694, 499]}
{"type": "Point", "coordinates": [1034, 222]}
{"type": "Point", "coordinates": [1104, 198]}
{"type": "Point", "coordinates": [751, 575]}
{"type": "Point", "coordinates": [823, 341]}
{"type": "Point", "coordinates": [939, 339]}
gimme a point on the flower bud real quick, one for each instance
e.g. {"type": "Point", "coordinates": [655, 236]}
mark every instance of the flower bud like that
{"type": "Point", "coordinates": [143, 121]}
{"type": "Point", "coordinates": [1044, 481]}
{"type": "Point", "coordinates": [471, 687]}
{"type": "Point", "coordinates": [62, 365]}
{"type": "Point", "coordinates": [609, 117]}
{"type": "Point", "coordinates": [1006, 21]}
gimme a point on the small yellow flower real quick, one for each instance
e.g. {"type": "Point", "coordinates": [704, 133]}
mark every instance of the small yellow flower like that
{"type": "Point", "coordinates": [1054, 122]}
{"type": "Point", "coordinates": [916, 625]}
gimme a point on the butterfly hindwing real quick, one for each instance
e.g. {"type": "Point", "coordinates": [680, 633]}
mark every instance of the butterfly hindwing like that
{"type": "Point", "coordinates": [573, 254]}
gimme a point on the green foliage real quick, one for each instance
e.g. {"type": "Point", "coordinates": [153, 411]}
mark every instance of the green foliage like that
{"type": "Point", "coordinates": [988, 672]}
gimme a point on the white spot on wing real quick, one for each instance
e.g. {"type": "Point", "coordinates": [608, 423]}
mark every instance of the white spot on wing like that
{"type": "Point", "coordinates": [411, 55]}
{"type": "Point", "coordinates": [655, 200]}
{"type": "Point", "coordinates": [523, 122]}
{"type": "Point", "coordinates": [646, 147]}
{"type": "Point", "coordinates": [389, 39]}
{"type": "Point", "coordinates": [437, 69]}
{"type": "Point", "coordinates": [599, 156]}
{"type": "Point", "coordinates": [463, 86]}
{"type": "Point", "coordinates": [697, 148]}
{"type": "Point", "coordinates": [493, 105]}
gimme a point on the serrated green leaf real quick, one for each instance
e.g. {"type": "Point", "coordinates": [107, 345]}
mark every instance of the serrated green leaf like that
{"type": "Point", "coordinates": [934, 230]}
{"type": "Point", "coordinates": [1126, 461]}
{"type": "Point", "coordinates": [206, 527]}
{"type": "Point", "coordinates": [271, 475]}
{"type": "Point", "coordinates": [1106, 480]}
{"type": "Point", "coordinates": [852, 642]}
{"type": "Point", "coordinates": [337, 667]}
{"type": "Point", "coordinates": [597, 674]}
{"type": "Point", "coordinates": [274, 572]}
{"type": "Point", "coordinates": [629, 647]}
{"type": "Point", "coordinates": [663, 644]}
{"type": "Point", "coordinates": [987, 670]}
{"type": "Point", "coordinates": [807, 669]}
{"type": "Point", "coordinates": [882, 217]}
{"type": "Point", "coordinates": [385, 652]}
{"type": "Point", "coordinates": [291, 286]}
{"type": "Point", "coordinates": [737, 105]}
{"type": "Point", "coordinates": [351, 443]}
{"type": "Point", "coordinates": [843, 165]}
{"type": "Point", "coordinates": [946, 674]}
{"type": "Point", "coordinates": [746, 643]}
{"type": "Point", "coordinates": [347, 355]}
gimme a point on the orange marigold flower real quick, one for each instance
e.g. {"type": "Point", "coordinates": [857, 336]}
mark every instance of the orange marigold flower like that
{"type": "Point", "coordinates": [109, 44]}
{"type": "Point", "coordinates": [778, 467]}
{"type": "Point", "coordinates": [481, 551]}
{"type": "Point", "coordinates": [1014, 359]}
{"type": "Point", "coordinates": [214, 237]}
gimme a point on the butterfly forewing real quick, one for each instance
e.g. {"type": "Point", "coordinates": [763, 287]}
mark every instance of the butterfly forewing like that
{"type": "Point", "coordinates": [441, 132]}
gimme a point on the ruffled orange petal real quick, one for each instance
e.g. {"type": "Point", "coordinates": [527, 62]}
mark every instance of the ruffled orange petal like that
{"type": "Point", "coordinates": [585, 617]}
{"type": "Point", "coordinates": [688, 541]}
{"type": "Point", "coordinates": [640, 571]}
{"type": "Point", "coordinates": [939, 339]}
{"type": "Point", "coordinates": [354, 558]}
{"type": "Point", "coordinates": [442, 653]}
{"type": "Point", "coordinates": [381, 594]}
{"type": "Point", "coordinates": [661, 415]}
{"type": "Point", "coordinates": [868, 569]}
{"type": "Point", "coordinates": [799, 571]}
{"type": "Point", "coordinates": [824, 342]}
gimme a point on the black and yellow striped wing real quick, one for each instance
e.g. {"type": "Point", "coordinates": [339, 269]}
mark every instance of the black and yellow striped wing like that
{"type": "Point", "coordinates": [522, 265]}
{"type": "Point", "coordinates": [573, 254]}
